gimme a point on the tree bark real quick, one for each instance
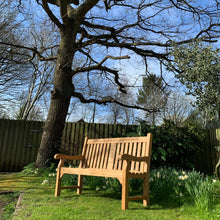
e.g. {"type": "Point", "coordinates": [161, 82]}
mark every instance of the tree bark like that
{"type": "Point", "coordinates": [60, 100]}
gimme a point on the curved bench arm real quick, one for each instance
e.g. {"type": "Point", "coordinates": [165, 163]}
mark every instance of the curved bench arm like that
{"type": "Point", "coordinates": [132, 158]}
{"type": "Point", "coordinates": [68, 157]}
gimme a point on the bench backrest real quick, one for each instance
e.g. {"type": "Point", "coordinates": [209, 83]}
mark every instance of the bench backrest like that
{"type": "Point", "coordinates": [103, 153]}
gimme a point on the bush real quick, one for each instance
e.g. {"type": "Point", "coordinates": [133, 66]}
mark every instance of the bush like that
{"type": "Point", "coordinates": [172, 146]}
{"type": "Point", "coordinates": [163, 183]}
{"type": "Point", "coordinates": [201, 190]}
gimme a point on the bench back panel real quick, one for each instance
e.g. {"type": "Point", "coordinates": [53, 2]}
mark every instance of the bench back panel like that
{"type": "Point", "coordinates": [103, 153]}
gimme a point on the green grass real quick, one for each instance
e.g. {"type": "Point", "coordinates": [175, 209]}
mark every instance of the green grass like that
{"type": "Point", "coordinates": [39, 203]}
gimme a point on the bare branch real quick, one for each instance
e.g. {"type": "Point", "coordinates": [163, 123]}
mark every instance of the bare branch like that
{"type": "Point", "coordinates": [51, 15]}
{"type": "Point", "coordinates": [34, 50]}
{"type": "Point", "coordinates": [63, 11]}
{"type": "Point", "coordinates": [86, 6]}
{"type": "Point", "coordinates": [106, 100]}
{"type": "Point", "coordinates": [98, 66]}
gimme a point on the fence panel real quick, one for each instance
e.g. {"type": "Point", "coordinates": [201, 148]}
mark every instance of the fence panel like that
{"type": "Point", "coordinates": [214, 138]}
{"type": "Point", "coordinates": [20, 140]}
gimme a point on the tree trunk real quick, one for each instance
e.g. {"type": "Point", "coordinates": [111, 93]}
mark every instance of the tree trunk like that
{"type": "Point", "coordinates": [60, 100]}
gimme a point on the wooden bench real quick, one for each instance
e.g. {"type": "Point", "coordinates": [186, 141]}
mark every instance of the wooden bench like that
{"type": "Point", "coordinates": [120, 158]}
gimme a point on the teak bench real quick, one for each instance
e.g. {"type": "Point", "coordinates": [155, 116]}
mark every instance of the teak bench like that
{"type": "Point", "coordinates": [120, 158]}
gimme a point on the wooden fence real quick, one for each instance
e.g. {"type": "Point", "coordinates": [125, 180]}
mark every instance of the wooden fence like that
{"type": "Point", "coordinates": [19, 142]}
{"type": "Point", "coordinates": [205, 158]}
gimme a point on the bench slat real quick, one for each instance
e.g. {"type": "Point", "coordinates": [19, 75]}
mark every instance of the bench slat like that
{"type": "Point", "coordinates": [126, 148]}
{"type": "Point", "coordinates": [106, 155]}
{"type": "Point", "coordinates": [97, 157]}
{"type": "Point", "coordinates": [137, 164]}
{"type": "Point", "coordinates": [93, 156]}
{"type": "Point", "coordinates": [134, 151]}
{"type": "Point", "coordinates": [117, 163]}
{"type": "Point", "coordinates": [111, 156]}
{"type": "Point", "coordinates": [118, 140]}
{"type": "Point", "coordinates": [142, 165]}
{"type": "Point", "coordinates": [93, 172]}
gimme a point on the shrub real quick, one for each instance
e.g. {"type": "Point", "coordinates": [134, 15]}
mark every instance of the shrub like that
{"type": "Point", "coordinates": [163, 182]}
{"type": "Point", "coordinates": [201, 190]}
{"type": "Point", "coordinates": [172, 146]}
{"type": "Point", "coordinates": [113, 184]}
{"type": "Point", "coordinates": [94, 183]}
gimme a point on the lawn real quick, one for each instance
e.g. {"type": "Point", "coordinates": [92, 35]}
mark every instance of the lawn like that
{"type": "Point", "coordinates": [97, 202]}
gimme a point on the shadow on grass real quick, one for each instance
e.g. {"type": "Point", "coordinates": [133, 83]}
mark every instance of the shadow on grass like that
{"type": "Point", "coordinates": [170, 203]}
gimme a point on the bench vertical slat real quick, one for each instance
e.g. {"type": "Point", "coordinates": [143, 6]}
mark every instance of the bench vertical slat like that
{"type": "Point", "coordinates": [143, 165]}
{"type": "Point", "coordinates": [111, 156]}
{"type": "Point", "coordinates": [93, 155]}
{"type": "Point", "coordinates": [137, 165]}
{"type": "Point", "coordinates": [90, 151]}
{"type": "Point", "coordinates": [100, 161]}
{"type": "Point", "coordinates": [97, 156]}
{"type": "Point", "coordinates": [106, 155]}
{"type": "Point", "coordinates": [104, 149]}
{"type": "Point", "coordinates": [117, 162]}
{"type": "Point", "coordinates": [148, 153]}
{"type": "Point", "coordinates": [84, 153]}
{"type": "Point", "coordinates": [122, 151]}
{"type": "Point", "coordinates": [126, 149]}
{"type": "Point", "coordinates": [134, 151]}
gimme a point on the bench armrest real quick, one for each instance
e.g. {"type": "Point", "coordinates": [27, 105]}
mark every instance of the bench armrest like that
{"type": "Point", "coordinates": [68, 157]}
{"type": "Point", "coordinates": [132, 158]}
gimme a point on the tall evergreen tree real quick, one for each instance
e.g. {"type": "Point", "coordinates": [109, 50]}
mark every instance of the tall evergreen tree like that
{"type": "Point", "coordinates": [153, 95]}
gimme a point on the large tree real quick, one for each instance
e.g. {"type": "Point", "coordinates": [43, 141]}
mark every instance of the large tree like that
{"type": "Point", "coordinates": [103, 32]}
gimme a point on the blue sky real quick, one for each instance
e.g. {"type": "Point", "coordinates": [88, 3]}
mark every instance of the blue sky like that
{"type": "Point", "coordinates": [133, 68]}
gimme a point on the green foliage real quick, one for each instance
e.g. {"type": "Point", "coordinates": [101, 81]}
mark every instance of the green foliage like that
{"type": "Point", "coordinates": [162, 183]}
{"type": "Point", "coordinates": [10, 200]}
{"type": "Point", "coordinates": [172, 146]}
{"type": "Point", "coordinates": [69, 180]}
{"type": "Point", "coordinates": [94, 183]}
{"type": "Point", "coordinates": [135, 184]}
{"type": "Point", "coordinates": [168, 184]}
{"type": "Point", "coordinates": [31, 170]}
{"type": "Point", "coordinates": [113, 184]}
{"type": "Point", "coordinates": [199, 67]}
{"type": "Point", "coordinates": [201, 190]}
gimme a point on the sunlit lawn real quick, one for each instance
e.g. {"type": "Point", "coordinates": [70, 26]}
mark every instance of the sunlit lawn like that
{"type": "Point", "coordinates": [39, 203]}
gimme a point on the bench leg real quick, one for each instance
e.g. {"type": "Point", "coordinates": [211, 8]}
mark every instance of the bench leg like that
{"type": "Point", "coordinates": [125, 192]}
{"type": "Point", "coordinates": [146, 188]}
{"type": "Point", "coordinates": [80, 182]}
{"type": "Point", "coordinates": [59, 178]}
{"type": "Point", "coordinates": [58, 185]}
